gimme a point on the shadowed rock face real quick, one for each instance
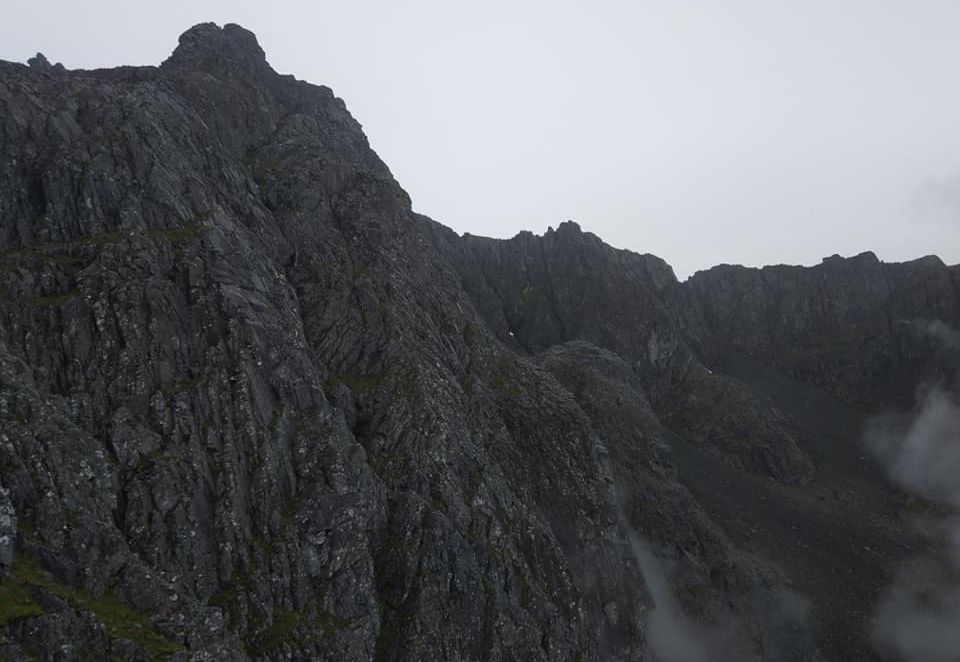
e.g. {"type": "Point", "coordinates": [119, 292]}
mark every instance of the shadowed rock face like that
{"type": "Point", "coordinates": [253, 407]}
{"type": "Point", "coordinates": [857, 327]}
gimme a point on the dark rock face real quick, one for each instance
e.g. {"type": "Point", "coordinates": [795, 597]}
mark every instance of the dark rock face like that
{"type": "Point", "coordinates": [241, 408]}
{"type": "Point", "coordinates": [856, 326]}
{"type": "Point", "coordinates": [253, 407]}
{"type": "Point", "coordinates": [535, 292]}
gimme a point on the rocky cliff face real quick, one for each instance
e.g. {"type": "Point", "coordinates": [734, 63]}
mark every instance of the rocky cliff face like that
{"type": "Point", "coordinates": [859, 328]}
{"type": "Point", "coordinates": [254, 407]}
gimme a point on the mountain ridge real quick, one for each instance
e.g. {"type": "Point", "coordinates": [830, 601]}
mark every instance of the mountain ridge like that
{"type": "Point", "coordinates": [255, 407]}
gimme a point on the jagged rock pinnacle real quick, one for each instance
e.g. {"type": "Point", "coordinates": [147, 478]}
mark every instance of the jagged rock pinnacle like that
{"type": "Point", "coordinates": [39, 62]}
{"type": "Point", "coordinates": [230, 49]}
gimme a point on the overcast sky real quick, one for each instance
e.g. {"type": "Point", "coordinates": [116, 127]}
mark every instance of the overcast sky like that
{"type": "Point", "coordinates": [705, 132]}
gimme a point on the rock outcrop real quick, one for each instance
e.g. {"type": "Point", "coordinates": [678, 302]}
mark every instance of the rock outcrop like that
{"type": "Point", "coordinates": [858, 327]}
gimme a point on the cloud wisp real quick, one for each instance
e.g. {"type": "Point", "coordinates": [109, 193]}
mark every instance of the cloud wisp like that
{"type": "Point", "coordinates": [671, 636]}
{"type": "Point", "coordinates": [917, 617]}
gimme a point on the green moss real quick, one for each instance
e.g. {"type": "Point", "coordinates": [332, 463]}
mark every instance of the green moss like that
{"type": "Point", "coordinates": [27, 530]}
{"type": "Point", "coordinates": [476, 532]}
{"type": "Point", "coordinates": [147, 461]}
{"type": "Point", "coordinates": [525, 592]}
{"type": "Point", "coordinates": [697, 594]}
{"type": "Point", "coordinates": [43, 251]}
{"type": "Point", "coordinates": [488, 592]}
{"type": "Point", "coordinates": [229, 599]}
{"type": "Point", "coordinates": [469, 334]}
{"type": "Point", "coordinates": [331, 623]}
{"type": "Point", "coordinates": [529, 295]}
{"type": "Point", "coordinates": [285, 624]}
{"type": "Point", "coordinates": [261, 543]}
{"type": "Point", "coordinates": [16, 602]}
{"type": "Point", "coordinates": [277, 414]}
{"type": "Point", "coordinates": [181, 235]}
{"type": "Point", "coordinates": [506, 378]}
{"type": "Point", "coordinates": [120, 620]}
{"type": "Point", "coordinates": [472, 487]}
{"type": "Point", "coordinates": [102, 239]}
{"type": "Point", "coordinates": [360, 272]}
{"type": "Point", "coordinates": [393, 623]}
{"type": "Point", "coordinates": [225, 597]}
{"type": "Point", "coordinates": [359, 383]}
{"type": "Point", "coordinates": [280, 630]}
{"type": "Point", "coordinates": [391, 546]}
{"type": "Point", "coordinates": [382, 464]}
{"type": "Point", "coordinates": [289, 512]}
{"type": "Point", "coordinates": [186, 385]}
{"type": "Point", "coordinates": [55, 300]}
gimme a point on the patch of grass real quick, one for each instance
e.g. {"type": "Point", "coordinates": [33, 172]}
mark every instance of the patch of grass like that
{"type": "Point", "coordinates": [187, 385]}
{"type": "Point", "coordinates": [529, 295]}
{"type": "Point", "coordinates": [525, 593]}
{"type": "Point", "coordinates": [472, 487]}
{"type": "Point", "coordinates": [383, 464]}
{"type": "Point", "coordinates": [229, 598]}
{"type": "Point", "coordinates": [27, 530]}
{"type": "Point", "coordinates": [102, 239]}
{"type": "Point", "coordinates": [120, 620]}
{"type": "Point", "coordinates": [394, 623]}
{"type": "Point", "coordinates": [360, 272]}
{"type": "Point", "coordinates": [148, 461]}
{"type": "Point", "coordinates": [43, 256]}
{"type": "Point", "coordinates": [16, 602]}
{"type": "Point", "coordinates": [183, 234]}
{"type": "Point", "coordinates": [286, 622]}
{"type": "Point", "coordinates": [488, 592]}
{"type": "Point", "coordinates": [280, 630]}
{"type": "Point", "coordinates": [276, 414]}
{"type": "Point", "coordinates": [289, 512]}
{"type": "Point", "coordinates": [697, 594]}
{"type": "Point", "coordinates": [224, 597]}
{"type": "Point", "coordinates": [55, 300]}
{"type": "Point", "coordinates": [476, 532]}
{"type": "Point", "coordinates": [41, 250]}
{"type": "Point", "coordinates": [331, 623]}
{"type": "Point", "coordinates": [469, 334]}
{"type": "Point", "coordinates": [359, 383]}
{"type": "Point", "coordinates": [262, 544]}
{"type": "Point", "coordinates": [505, 378]}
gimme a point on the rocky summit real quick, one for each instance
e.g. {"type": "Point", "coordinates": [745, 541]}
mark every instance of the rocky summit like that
{"type": "Point", "coordinates": [253, 407]}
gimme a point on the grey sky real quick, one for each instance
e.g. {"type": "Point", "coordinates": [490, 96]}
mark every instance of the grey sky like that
{"type": "Point", "coordinates": [704, 132]}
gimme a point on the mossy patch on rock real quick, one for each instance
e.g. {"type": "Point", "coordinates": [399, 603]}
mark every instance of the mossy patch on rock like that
{"type": "Point", "coordinates": [55, 300]}
{"type": "Point", "coordinates": [16, 602]}
{"type": "Point", "coordinates": [120, 620]}
{"type": "Point", "coordinates": [181, 235]}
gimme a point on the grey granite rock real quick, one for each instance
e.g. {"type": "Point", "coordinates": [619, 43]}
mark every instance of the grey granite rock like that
{"type": "Point", "coordinates": [8, 530]}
